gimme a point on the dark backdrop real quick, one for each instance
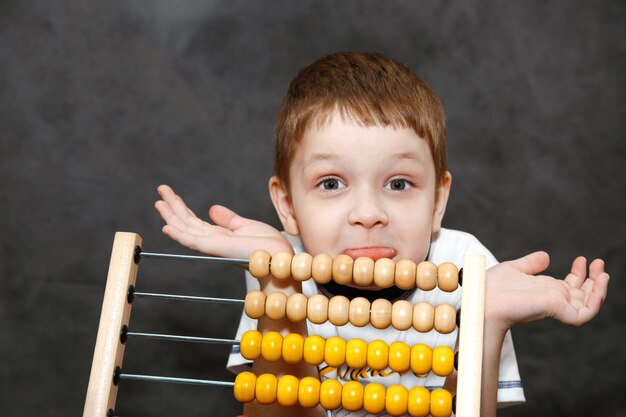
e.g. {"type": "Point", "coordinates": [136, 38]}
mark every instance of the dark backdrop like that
{"type": "Point", "coordinates": [102, 101]}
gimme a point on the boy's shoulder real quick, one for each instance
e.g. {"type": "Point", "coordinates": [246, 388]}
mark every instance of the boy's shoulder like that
{"type": "Point", "coordinates": [450, 245]}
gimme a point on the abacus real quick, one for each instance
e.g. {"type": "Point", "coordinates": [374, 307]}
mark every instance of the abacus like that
{"type": "Point", "coordinates": [396, 400]}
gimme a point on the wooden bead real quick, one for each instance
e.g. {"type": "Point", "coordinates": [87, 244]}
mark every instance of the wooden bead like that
{"type": "Point", "coordinates": [399, 356]}
{"type": "Point", "coordinates": [419, 402]}
{"type": "Point", "coordinates": [313, 351]}
{"type": "Point", "coordinates": [276, 305]}
{"type": "Point", "coordinates": [339, 310]}
{"type": "Point", "coordinates": [423, 317]}
{"type": "Point", "coordinates": [266, 385]}
{"type": "Point", "coordinates": [380, 314]}
{"type": "Point", "coordinates": [448, 277]}
{"type": "Point", "coordinates": [405, 274]}
{"type": "Point", "coordinates": [330, 394]}
{"type": "Point", "coordinates": [322, 268]}
{"type": "Point", "coordinates": [363, 271]}
{"type": "Point", "coordinates": [245, 385]}
{"type": "Point", "coordinates": [296, 307]}
{"type": "Point", "coordinates": [384, 273]}
{"type": "Point", "coordinates": [317, 309]}
{"type": "Point", "coordinates": [250, 345]}
{"type": "Point", "coordinates": [440, 403]}
{"type": "Point", "coordinates": [352, 396]}
{"type": "Point", "coordinates": [301, 266]}
{"type": "Point", "coordinates": [374, 398]}
{"type": "Point", "coordinates": [402, 315]}
{"type": "Point", "coordinates": [359, 311]}
{"type": "Point", "coordinates": [445, 318]}
{"type": "Point", "coordinates": [335, 351]}
{"type": "Point", "coordinates": [426, 276]}
{"type": "Point", "coordinates": [280, 266]}
{"type": "Point", "coordinates": [396, 400]}
{"type": "Point", "coordinates": [292, 351]}
{"type": "Point", "coordinates": [377, 355]}
{"type": "Point", "coordinates": [309, 392]}
{"type": "Point", "coordinates": [342, 269]}
{"type": "Point", "coordinates": [443, 361]}
{"type": "Point", "coordinates": [254, 304]}
{"type": "Point", "coordinates": [356, 353]}
{"type": "Point", "coordinates": [421, 359]}
{"type": "Point", "coordinates": [259, 265]}
{"type": "Point", "coordinates": [272, 346]}
{"type": "Point", "coordinates": [287, 390]}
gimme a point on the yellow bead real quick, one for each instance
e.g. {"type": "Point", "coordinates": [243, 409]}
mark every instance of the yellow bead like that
{"type": "Point", "coordinates": [271, 346]}
{"type": "Point", "coordinates": [396, 400]}
{"type": "Point", "coordinates": [309, 392]}
{"type": "Point", "coordinates": [356, 353]}
{"type": "Point", "coordinates": [421, 359]}
{"type": "Point", "coordinates": [443, 360]}
{"type": "Point", "coordinates": [399, 356]}
{"type": "Point", "coordinates": [335, 351]}
{"type": "Point", "coordinates": [287, 390]}
{"type": "Point", "coordinates": [374, 398]}
{"type": "Point", "coordinates": [250, 346]}
{"type": "Point", "coordinates": [377, 355]}
{"type": "Point", "coordinates": [259, 265]}
{"type": "Point", "coordinates": [440, 403]}
{"type": "Point", "coordinates": [419, 402]}
{"type": "Point", "coordinates": [266, 388]}
{"type": "Point", "coordinates": [330, 394]}
{"type": "Point", "coordinates": [293, 345]}
{"type": "Point", "coordinates": [352, 396]}
{"type": "Point", "coordinates": [245, 384]}
{"type": "Point", "coordinates": [314, 350]}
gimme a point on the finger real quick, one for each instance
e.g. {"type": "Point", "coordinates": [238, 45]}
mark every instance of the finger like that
{"type": "Point", "coordinates": [596, 267]}
{"type": "Point", "coordinates": [225, 217]}
{"type": "Point", "coordinates": [186, 239]}
{"type": "Point", "coordinates": [168, 215]}
{"type": "Point", "coordinates": [176, 203]}
{"type": "Point", "coordinates": [596, 298]}
{"type": "Point", "coordinates": [532, 264]}
{"type": "Point", "coordinates": [578, 273]}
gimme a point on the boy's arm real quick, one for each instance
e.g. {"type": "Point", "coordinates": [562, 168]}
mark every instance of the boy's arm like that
{"type": "Point", "coordinates": [515, 294]}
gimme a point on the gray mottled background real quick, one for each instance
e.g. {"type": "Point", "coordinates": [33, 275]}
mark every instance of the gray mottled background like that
{"type": "Point", "coordinates": [102, 101]}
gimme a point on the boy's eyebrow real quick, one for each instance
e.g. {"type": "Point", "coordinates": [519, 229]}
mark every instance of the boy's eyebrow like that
{"type": "Point", "coordinates": [318, 157]}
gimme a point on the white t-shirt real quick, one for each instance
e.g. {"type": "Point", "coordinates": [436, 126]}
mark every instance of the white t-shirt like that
{"type": "Point", "coordinates": [447, 246]}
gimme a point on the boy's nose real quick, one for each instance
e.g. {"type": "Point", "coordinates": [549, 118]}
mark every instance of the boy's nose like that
{"type": "Point", "coordinates": [368, 212]}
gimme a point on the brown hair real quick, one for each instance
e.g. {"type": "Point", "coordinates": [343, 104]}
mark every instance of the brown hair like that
{"type": "Point", "coordinates": [370, 88]}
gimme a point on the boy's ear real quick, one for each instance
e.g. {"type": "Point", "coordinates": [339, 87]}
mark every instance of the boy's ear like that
{"type": "Point", "coordinates": [441, 201]}
{"type": "Point", "coordinates": [282, 205]}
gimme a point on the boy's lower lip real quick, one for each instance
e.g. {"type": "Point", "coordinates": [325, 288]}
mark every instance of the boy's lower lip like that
{"type": "Point", "coordinates": [374, 252]}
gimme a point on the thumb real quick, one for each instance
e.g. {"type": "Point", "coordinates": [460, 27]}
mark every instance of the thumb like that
{"type": "Point", "coordinates": [532, 264]}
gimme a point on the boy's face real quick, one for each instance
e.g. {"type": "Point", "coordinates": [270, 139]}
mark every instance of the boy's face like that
{"type": "Point", "coordinates": [362, 191]}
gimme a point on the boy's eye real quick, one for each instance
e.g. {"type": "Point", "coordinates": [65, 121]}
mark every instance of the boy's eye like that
{"type": "Point", "coordinates": [398, 184]}
{"type": "Point", "coordinates": [331, 184]}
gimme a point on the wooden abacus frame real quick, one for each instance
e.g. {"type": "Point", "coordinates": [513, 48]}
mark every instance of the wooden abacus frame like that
{"type": "Point", "coordinates": [116, 309]}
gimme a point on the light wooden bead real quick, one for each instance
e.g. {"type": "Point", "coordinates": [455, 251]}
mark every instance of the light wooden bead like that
{"type": "Point", "coordinates": [374, 398]}
{"type": "Point", "coordinates": [259, 265]}
{"type": "Point", "coordinates": [250, 345]}
{"type": "Point", "coordinates": [445, 318]}
{"type": "Point", "coordinates": [419, 402]}
{"type": "Point", "coordinates": [356, 353]}
{"type": "Point", "coordinates": [448, 277]}
{"type": "Point", "coordinates": [405, 274]}
{"type": "Point", "coordinates": [287, 390]}
{"type": "Point", "coordinates": [245, 387]}
{"type": "Point", "coordinates": [301, 266]}
{"type": "Point", "coordinates": [359, 311]}
{"type": "Point", "coordinates": [322, 268]}
{"type": "Point", "coordinates": [396, 400]}
{"type": "Point", "coordinates": [426, 276]}
{"type": "Point", "coordinates": [335, 351]}
{"type": "Point", "coordinates": [309, 392]}
{"type": "Point", "coordinates": [380, 314]}
{"type": "Point", "coordinates": [421, 359]}
{"type": "Point", "coordinates": [363, 271]}
{"type": "Point", "coordinates": [276, 305]}
{"type": "Point", "coordinates": [330, 394]}
{"type": "Point", "coordinates": [317, 309]}
{"type": "Point", "coordinates": [377, 355]}
{"type": "Point", "coordinates": [292, 351]}
{"type": "Point", "coordinates": [423, 317]}
{"type": "Point", "coordinates": [443, 361]}
{"type": "Point", "coordinates": [399, 357]}
{"type": "Point", "coordinates": [352, 396]}
{"type": "Point", "coordinates": [280, 266]}
{"type": "Point", "coordinates": [342, 269]}
{"type": "Point", "coordinates": [384, 273]}
{"type": "Point", "coordinates": [272, 346]}
{"type": "Point", "coordinates": [254, 304]}
{"type": "Point", "coordinates": [440, 403]}
{"type": "Point", "coordinates": [296, 307]}
{"type": "Point", "coordinates": [266, 385]}
{"type": "Point", "coordinates": [313, 351]}
{"type": "Point", "coordinates": [339, 310]}
{"type": "Point", "coordinates": [402, 315]}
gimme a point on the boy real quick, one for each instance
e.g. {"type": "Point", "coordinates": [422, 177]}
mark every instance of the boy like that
{"type": "Point", "coordinates": [361, 170]}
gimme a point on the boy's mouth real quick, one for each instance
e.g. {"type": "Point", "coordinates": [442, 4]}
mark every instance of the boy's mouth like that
{"type": "Point", "coordinates": [374, 252]}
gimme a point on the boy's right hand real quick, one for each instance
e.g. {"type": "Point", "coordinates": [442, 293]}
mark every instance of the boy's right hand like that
{"type": "Point", "coordinates": [231, 236]}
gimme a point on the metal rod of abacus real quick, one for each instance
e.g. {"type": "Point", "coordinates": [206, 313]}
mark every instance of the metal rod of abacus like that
{"type": "Point", "coordinates": [187, 298]}
{"type": "Point", "coordinates": [212, 259]}
{"type": "Point", "coordinates": [173, 380]}
{"type": "Point", "coordinates": [177, 338]}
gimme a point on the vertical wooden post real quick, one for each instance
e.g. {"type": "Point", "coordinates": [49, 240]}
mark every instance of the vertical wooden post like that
{"type": "Point", "coordinates": [109, 351]}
